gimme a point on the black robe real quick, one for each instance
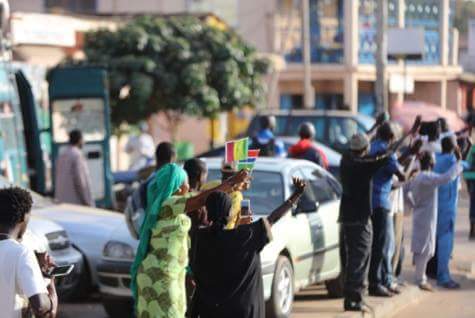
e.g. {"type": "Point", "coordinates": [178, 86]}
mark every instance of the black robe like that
{"type": "Point", "coordinates": [227, 271]}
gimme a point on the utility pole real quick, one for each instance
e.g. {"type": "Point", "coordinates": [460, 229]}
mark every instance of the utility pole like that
{"type": "Point", "coordinates": [307, 63]}
{"type": "Point", "coordinates": [381, 56]}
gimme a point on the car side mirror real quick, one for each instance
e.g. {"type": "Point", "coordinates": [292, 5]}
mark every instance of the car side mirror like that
{"type": "Point", "coordinates": [307, 206]}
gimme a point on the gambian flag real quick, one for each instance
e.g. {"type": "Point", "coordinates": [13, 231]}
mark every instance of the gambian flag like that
{"type": "Point", "coordinates": [236, 150]}
{"type": "Point", "coordinates": [248, 163]}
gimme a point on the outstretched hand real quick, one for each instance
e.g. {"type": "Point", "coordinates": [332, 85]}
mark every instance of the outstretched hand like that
{"type": "Point", "coordinates": [416, 147]}
{"type": "Point", "coordinates": [238, 178]}
{"type": "Point", "coordinates": [299, 185]}
{"type": "Point", "coordinates": [416, 125]}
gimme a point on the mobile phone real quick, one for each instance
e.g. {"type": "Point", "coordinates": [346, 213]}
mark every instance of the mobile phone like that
{"type": "Point", "coordinates": [60, 271]}
{"type": "Point", "coordinates": [246, 207]}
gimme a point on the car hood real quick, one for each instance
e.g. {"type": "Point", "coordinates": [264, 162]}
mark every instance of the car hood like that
{"type": "Point", "coordinates": [87, 219]}
{"type": "Point", "coordinates": [121, 234]}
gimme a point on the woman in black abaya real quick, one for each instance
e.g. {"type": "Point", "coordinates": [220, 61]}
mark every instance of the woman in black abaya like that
{"type": "Point", "coordinates": [226, 266]}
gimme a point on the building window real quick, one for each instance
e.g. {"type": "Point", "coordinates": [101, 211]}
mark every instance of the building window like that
{"type": "Point", "coordinates": [329, 101]}
{"type": "Point", "coordinates": [291, 101]}
{"type": "Point", "coordinates": [326, 30]}
{"type": "Point", "coordinates": [73, 6]}
{"type": "Point", "coordinates": [426, 14]}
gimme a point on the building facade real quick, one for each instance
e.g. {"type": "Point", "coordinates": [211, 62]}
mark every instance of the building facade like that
{"type": "Point", "coordinates": [343, 47]}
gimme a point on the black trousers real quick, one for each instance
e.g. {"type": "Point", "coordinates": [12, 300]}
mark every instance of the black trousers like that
{"type": "Point", "coordinates": [379, 219]}
{"type": "Point", "coordinates": [357, 238]}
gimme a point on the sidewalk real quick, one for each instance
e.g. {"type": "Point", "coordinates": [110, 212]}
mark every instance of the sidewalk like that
{"type": "Point", "coordinates": [313, 301]}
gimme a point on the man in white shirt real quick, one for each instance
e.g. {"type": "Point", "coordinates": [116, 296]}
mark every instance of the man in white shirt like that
{"type": "Point", "coordinates": [20, 273]}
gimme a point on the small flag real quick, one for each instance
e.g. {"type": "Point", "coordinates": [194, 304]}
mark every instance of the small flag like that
{"type": "Point", "coordinates": [248, 163]}
{"type": "Point", "coordinates": [236, 150]}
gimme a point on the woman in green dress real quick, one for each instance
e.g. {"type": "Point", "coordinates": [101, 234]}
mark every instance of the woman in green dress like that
{"type": "Point", "coordinates": [158, 272]}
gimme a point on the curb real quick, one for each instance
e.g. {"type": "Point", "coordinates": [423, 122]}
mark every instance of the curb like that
{"type": "Point", "coordinates": [387, 307]}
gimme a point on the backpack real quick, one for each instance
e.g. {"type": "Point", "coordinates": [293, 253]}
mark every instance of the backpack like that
{"type": "Point", "coordinates": [136, 208]}
{"type": "Point", "coordinates": [267, 149]}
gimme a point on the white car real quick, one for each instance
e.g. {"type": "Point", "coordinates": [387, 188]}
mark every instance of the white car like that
{"type": "Point", "coordinates": [88, 230]}
{"type": "Point", "coordinates": [305, 249]}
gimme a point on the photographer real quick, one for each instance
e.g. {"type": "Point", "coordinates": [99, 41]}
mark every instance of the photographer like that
{"type": "Point", "coordinates": [20, 273]}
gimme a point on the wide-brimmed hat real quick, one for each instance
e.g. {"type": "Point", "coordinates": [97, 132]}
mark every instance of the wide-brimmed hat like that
{"type": "Point", "coordinates": [359, 141]}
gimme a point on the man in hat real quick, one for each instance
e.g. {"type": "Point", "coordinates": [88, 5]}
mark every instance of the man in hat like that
{"type": "Point", "coordinates": [356, 172]}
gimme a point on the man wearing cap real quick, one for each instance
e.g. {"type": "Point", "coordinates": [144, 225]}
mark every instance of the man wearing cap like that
{"type": "Point", "coordinates": [356, 172]}
{"type": "Point", "coordinates": [306, 149]}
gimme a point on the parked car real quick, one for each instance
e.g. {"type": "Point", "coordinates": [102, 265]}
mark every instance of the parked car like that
{"type": "Point", "coordinates": [334, 128]}
{"type": "Point", "coordinates": [333, 156]}
{"type": "Point", "coordinates": [44, 235]}
{"type": "Point", "coordinates": [305, 249]}
{"type": "Point", "coordinates": [88, 230]}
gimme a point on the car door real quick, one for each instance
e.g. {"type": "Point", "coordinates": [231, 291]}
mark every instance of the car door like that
{"type": "Point", "coordinates": [324, 222]}
{"type": "Point", "coordinates": [300, 242]}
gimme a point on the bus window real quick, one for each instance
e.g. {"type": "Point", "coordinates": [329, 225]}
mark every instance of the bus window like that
{"type": "Point", "coordinates": [86, 115]}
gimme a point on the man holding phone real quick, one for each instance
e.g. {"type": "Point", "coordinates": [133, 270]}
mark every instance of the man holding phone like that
{"type": "Point", "coordinates": [20, 273]}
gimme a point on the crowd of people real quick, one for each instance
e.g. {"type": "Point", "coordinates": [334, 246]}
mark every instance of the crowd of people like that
{"type": "Point", "coordinates": [198, 254]}
{"type": "Point", "coordinates": [428, 170]}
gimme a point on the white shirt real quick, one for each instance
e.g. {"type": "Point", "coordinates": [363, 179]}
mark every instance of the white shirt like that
{"type": "Point", "coordinates": [20, 276]}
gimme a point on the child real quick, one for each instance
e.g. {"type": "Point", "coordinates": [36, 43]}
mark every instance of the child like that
{"type": "Point", "coordinates": [422, 194]}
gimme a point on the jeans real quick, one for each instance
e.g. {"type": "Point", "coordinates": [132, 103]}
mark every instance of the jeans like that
{"type": "Point", "coordinates": [357, 244]}
{"type": "Point", "coordinates": [388, 253]}
{"type": "Point", "coordinates": [380, 219]}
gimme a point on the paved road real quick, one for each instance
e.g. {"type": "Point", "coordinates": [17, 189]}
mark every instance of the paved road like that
{"type": "Point", "coordinates": [314, 302]}
{"type": "Point", "coordinates": [305, 306]}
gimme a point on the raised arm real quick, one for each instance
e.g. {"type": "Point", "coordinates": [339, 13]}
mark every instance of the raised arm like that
{"type": "Point", "coordinates": [196, 202]}
{"type": "Point", "coordinates": [278, 213]}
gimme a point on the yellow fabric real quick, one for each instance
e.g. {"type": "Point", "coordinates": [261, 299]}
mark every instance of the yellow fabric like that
{"type": "Point", "coordinates": [236, 198]}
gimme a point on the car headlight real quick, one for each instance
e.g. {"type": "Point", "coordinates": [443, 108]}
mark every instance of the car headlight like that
{"type": "Point", "coordinates": [58, 240]}
{"type": "Point", "coordinates": [118, 251]}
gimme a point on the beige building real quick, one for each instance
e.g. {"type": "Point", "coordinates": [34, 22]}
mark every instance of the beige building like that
{"type": "Point", "coordinates": [343, 46]}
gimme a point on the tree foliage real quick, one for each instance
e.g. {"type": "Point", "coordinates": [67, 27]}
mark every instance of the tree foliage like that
{"type": "Point", "coordinates": [178, 65]}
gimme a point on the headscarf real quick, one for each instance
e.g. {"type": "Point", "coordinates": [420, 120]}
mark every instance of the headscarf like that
{"type": "Point", "coordinates": [166, 182]}
{"type": "Point", "coordinates": [218, 205]}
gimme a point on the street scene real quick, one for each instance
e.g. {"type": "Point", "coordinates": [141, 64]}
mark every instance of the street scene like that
{"type": "Point", "coordinates": [248, 159]}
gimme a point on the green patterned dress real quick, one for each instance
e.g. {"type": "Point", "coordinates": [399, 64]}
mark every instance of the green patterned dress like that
{"type": "Point", "coordinates": [161, 276]}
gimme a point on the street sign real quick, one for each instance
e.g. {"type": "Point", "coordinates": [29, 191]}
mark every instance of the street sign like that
{"type": "Point", "coordinates": [406, 43]}
{"type": "Point", "coordinates": [401, 84]}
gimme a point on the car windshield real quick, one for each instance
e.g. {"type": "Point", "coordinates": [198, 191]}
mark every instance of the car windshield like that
{"type": "Point", "coordinates": [266, 192]}
{"type": "Point", "coordinates": [39, 201]}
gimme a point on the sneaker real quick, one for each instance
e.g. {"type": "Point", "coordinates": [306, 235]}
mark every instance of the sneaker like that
{"type": "Point", "coordinates": [450, 285]}
{"type": "Point", "coordinates": [353, 305]}
{"type": "Point", "coordinates": [380, 291]}
{"type": "Point", "coordinates": [426, 287]}
{"type": "Point", "coordinates": [394, 289]}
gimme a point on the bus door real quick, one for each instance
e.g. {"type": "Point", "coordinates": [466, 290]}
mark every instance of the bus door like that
{"type": "Point", "coordinates": [79, 100]}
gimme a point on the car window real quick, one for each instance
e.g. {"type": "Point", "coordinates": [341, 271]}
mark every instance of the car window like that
{"type": "Point", "coordinates": [341, 129]}
{"type": "Point", "coordinates": [323, 187]}
{"type": "Point", "coordinates": [266, 192]}
{"type": "Point", "coordinates": [289, 125]}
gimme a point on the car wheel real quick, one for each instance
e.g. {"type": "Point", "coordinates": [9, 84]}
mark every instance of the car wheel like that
{"type": "Point", "coordinates": [280, 303]}
{"type": "Point", "coordinates": [118, 308]}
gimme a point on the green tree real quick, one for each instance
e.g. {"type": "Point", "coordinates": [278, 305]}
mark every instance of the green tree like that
{"type": "Point", "coordinates": [176, 65]}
